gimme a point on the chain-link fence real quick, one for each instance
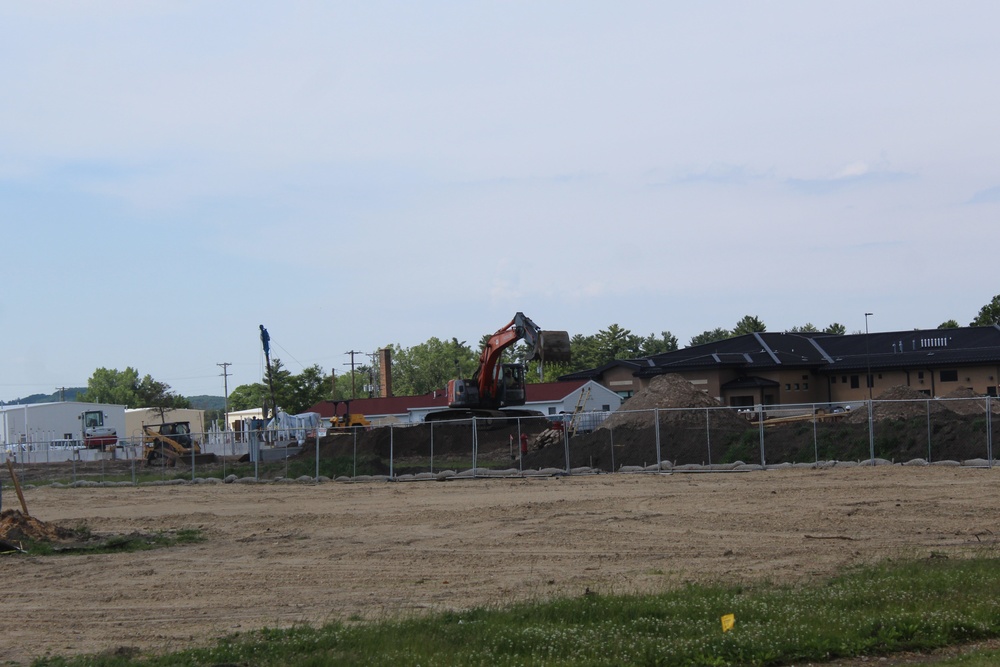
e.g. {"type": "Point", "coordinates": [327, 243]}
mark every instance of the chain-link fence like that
{"type": "Point", "coordinates": [916, 432]}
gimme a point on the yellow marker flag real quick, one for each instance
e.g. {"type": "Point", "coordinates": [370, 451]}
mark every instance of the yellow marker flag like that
{"type": "Point", "coordinates": [728, 621]}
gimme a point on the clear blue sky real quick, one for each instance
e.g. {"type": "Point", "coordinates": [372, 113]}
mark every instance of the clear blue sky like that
{"type": "Point", "coordinates": [352, 175]}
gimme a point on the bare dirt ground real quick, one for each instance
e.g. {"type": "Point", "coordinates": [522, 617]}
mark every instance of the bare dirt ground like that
{"type": "Point", "coordinates": [281, 554]}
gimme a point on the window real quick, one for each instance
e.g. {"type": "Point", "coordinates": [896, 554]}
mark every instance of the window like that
{"type": "Point", "coordinates": [843, 378]}
{"type": "Point", "coordinates": [606, 408]}
{"type": "Point", "coordinates": [552, 411]}
{"type": "Point", "coordinates": [920, 375]}
{"type": "Point", "coordinates": [788, 387]}
{"type": "Point", "coordinates": [833, 380]}
{"type": "Point", "coordinates": [949, 376]}
{"type": "Point", "coordinates": [805, 377]}
{"type": "Point", "coordinates": [796, 386]}
{"type": "Point", "coordinates": [855, 382]}
{"type": "Point", "coordinates": [805, 385]}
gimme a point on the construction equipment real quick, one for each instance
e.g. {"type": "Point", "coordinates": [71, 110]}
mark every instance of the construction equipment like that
{"type": "Point", "coordinates": [496, 386]}
{"type": "Point", "coordinates": [165, 444]}
{"type": "Point", "coordinates": [95, 434]}
{"type": "Point", "coordinates": [349, 419]}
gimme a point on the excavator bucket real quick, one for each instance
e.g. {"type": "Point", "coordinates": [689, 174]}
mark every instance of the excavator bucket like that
{"type": "Point", "coordinates": [552, 346]}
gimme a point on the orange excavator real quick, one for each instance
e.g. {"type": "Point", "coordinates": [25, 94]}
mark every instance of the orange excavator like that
{"type": "Point", "coordinates": [496, 387]}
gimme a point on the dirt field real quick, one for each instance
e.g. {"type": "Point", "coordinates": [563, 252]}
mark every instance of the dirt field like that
{"type": "Point", "coordinates": [281, 554]}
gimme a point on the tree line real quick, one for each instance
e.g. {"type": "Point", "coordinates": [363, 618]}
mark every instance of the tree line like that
{"type": "Point", "coordinates": [428, 366]}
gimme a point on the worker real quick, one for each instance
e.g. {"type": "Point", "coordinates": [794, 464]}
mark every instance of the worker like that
{"type": "Point", "coordinates": [265, 339]}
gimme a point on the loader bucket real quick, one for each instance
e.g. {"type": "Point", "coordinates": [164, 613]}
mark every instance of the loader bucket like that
{"type": "Point", "coordinates": [552, 346]}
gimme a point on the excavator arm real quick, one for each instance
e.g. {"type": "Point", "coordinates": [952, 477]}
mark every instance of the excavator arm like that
{"type": "Point", "coordinates": [544, 345]}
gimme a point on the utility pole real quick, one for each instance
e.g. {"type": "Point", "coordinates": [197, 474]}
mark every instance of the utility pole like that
{"type": "Point", "coordinates": [225, 385]}
{"type": "Point", "coordinates": [352, 364]}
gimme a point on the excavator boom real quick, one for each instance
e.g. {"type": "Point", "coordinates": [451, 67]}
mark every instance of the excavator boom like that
{"type": "Point", "coordinates": [495, 385]}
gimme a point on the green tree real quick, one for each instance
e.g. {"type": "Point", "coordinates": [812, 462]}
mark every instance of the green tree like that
{"type": "Point", "coordinates": [247, 397]}
{"type": "Point", "coordinates": [128, 389]}
{"type": "Point", "coordinates": [808, 327]}
{"type": "Point", "coordinates": [835, 328]}
{"type": "Point", "coordinates": [110, 385]}
{"type": "Point", "coordinates": [988, 314]}
{"type": "Point", "coordinates": [748, 325]}
{"type": "Point", "coordinates": [710, 337]}
{"type": "Point", "coordinates": [651, 345]}
{"type": "Point", "coordinates": [428, 366]}
{"type": "Point", "coordinates": [307, 389]}
{"type": "Point", "coordinates": [949, 324]}
{"type": "Point", "coordinates": [294, 394]}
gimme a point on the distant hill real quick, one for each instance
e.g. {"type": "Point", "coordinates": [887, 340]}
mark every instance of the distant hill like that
{"type": "Point", "coordinates": [71, 393]}
{"type": "Point", "coordinates": [67, 394]}
{"type": "Point", "coordinates": [207, 402]}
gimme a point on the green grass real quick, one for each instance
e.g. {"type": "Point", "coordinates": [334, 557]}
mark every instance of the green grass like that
{"type": "Point", "coordinates": [873, 611]}
{"type": "Point", "coordinates": [87, 543]}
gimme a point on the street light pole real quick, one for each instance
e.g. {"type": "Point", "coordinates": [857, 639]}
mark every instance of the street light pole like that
{"type": "Point", "coordinates": [868, 381]}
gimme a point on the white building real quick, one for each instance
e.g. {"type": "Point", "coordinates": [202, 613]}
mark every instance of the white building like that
{"type": "Point", "coordinates": [48, 422]}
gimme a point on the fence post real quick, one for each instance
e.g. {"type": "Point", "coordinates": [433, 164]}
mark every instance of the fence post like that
{"type": "Point", "coordinates": [432, 447]}
{"type": "Point", "coordinates": [475, 447]}
{"type": "Point", "coordinates": [708, 435]}
{"type": "Point", "coordinates": [928, 403]}
{"type": "Point", "coordinates": [317, 455]}
{"type": "Point", "coordinates": [392, 451]}
{"type": "Point", "coordinates": [760, 429]}
{"type": "Point", "coordinates": [989, 433]}
{"type": "Point", "coordinates": [815, 437]}
{"type": "Point", "coordinates": [520, 455]}
{"type": "Point", "coordinates": [871, 431]}
{"type": "Point", "coordinates": [565, 432]}
{"type": "Point", "coordinates": [656, 435]}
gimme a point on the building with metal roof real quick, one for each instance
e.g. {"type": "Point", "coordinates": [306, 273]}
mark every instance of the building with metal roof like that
{"type": "Point", "coordinates": [812, 367]}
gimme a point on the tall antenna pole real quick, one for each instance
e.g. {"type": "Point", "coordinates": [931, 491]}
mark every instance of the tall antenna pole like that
{"type": "Point", "coordinates": [265, 340]}
{"type": "Point", "coordinates": [225, 386]}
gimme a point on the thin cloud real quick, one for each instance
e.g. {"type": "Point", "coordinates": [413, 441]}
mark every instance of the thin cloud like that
{"type": "Point", "coordinates": [988, 196]}
{"type": "Point", "coordinates": [715, 174]}
{"type": "Point", "coordinates": [853, 175]}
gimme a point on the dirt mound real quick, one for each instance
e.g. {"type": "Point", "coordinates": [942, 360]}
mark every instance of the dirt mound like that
{"type": "Point", "coordinates": [965, 401]}
{"type": "Point", "coordinates": [898, 402]}
{"type": "Point", "coordinates": [671, 393]}
{"type": "Point", "coordinates": [17, 527]}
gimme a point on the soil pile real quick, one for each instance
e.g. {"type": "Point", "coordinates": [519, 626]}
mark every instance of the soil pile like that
{"type": "Point", "coordinates": [968, 402]}
{"type": "Point", "coordinates": [901, 402]}
{"type": "Point", "coordinates": [668, 392]}
{"type": "Point", "coordinates": [17, 527]}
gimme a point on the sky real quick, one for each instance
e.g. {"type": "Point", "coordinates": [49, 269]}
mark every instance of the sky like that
{"type": "Point", "coordinates": [355, 175]}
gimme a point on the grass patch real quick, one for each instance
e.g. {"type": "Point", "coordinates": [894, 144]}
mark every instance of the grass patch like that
{"type": "Point", "coordinates": [87, 543]}
{"type": "Point", "coordinates": [873, 611]}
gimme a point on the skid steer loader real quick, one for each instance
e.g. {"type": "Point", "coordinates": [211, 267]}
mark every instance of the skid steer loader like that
{"type": "Point", "coordinates": [168, 443]}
